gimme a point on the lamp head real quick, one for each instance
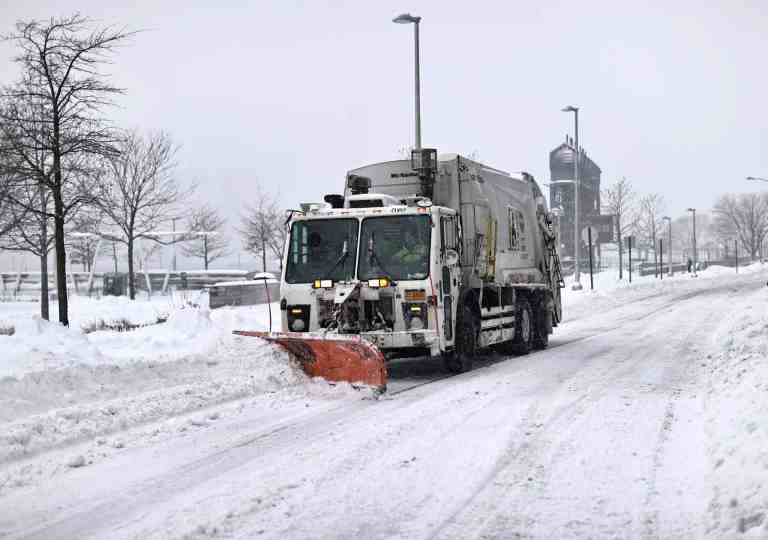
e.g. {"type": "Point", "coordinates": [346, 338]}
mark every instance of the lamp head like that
{"type": "Point", "coordinates": [570, 108]}
{"type": "Point", "coordinates": [406, 18]}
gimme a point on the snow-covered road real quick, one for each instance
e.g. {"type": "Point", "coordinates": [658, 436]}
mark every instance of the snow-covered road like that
{"type": "Point", "coordinates": [604, 435]}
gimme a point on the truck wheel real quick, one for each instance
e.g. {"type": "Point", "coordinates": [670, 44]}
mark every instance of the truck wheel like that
{"type": "Point", "coordinates": [463, 358]}
{"type": "Point", "coordinates": [543, 328]}
{"type": "Point", "coordinates": [524, 329]}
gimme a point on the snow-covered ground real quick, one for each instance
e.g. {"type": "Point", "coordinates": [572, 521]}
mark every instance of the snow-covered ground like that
{"type": "Point", "coordinates": [644, 419]}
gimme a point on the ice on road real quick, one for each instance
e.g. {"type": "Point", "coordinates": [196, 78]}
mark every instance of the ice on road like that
{"type": "Point", "coordinates": [637, 422]}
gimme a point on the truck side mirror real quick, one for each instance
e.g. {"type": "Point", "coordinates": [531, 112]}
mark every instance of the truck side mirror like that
{"type": "Point", "coordinates": [451, 257]}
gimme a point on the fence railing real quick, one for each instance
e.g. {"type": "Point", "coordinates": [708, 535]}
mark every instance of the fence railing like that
{"type": "Point", "coordinates": [26, 285]}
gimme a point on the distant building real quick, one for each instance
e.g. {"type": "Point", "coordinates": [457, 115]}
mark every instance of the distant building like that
{"type": "Point", "coordinates": [561, 190]}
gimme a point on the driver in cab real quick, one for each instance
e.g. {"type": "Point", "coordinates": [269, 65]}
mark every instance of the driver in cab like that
{"type": "Point", "coordinates": [413, 251]}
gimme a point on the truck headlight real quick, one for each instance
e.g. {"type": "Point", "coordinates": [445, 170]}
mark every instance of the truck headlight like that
{"type": "Point", "coordinates": [298, 318]}
{"type": "Point", "coordinates": [415, 316]}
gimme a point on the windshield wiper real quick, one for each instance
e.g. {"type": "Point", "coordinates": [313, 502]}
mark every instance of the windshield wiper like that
{"type": "Point", "coordinates": [341, 259]}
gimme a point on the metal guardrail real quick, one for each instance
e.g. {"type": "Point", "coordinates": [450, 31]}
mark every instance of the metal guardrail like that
{"type": "Point", "coordinates": [26, 285]}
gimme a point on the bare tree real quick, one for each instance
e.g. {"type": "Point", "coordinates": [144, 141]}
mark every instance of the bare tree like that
{"type": "Point", "coordinates": [30, 232]}
{"type": "Point", "coordinates": [277, 240]}
{"type": "Point", "coordinates": [55, 108]}
{"type": "Point", "coordinates": [202, 245]}
{"type": "Point", "coordinates": [743, 217]}
{"type": "Point", "coordinates": [87, 226]}
{"type": "Point", "coordinates": [262, 229]}
{"type": "Point", "coordinates": [140, 190]}
{"type": "Point", "coordinates": [618, 200]}
{"type": "Point", "coordinates": [649, 221]}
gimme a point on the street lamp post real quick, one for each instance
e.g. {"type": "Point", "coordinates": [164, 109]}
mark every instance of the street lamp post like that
{"type": "Point", "coordinates": [173, 221]}
{"type": "Point", "coordinates": [576, 239]}
{"type": "Point", "coordinates": [695, 257]}
{"type": "Point", "coordinates": [407, 18]}
{"type": "Point", "coordinates": [669, 244]}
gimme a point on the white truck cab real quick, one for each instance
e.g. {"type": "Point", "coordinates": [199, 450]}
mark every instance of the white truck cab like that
{"type": "Point", "coordinates": [377, 268]}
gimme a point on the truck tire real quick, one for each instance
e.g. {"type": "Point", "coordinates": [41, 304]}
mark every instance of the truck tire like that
{"type": "Point", "coordinates": [543, 328]}
{"type": "Point", "coordinates": [462, 359]}
{"type": "Point", "coordinates": [524, 329]}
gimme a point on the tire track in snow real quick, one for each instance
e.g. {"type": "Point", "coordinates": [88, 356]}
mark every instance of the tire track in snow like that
{"type": "Point", "coordinates": [494, 515]}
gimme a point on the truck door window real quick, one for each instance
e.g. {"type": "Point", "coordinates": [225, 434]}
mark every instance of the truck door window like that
{"type": "Point", "coordinates": [514, 233]}
{"type": "Point", "coordinates": [516, 230]}
{"type": "Point", "coordinates": [449, 238]}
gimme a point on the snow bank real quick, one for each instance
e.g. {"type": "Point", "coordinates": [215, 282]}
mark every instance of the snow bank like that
{"type": "Point", "coordinates": [59, 385]}
{"type": "Point", "coordinates": [736, 404]}
{"type": "Point", "coordinates": [39, 345]}
{"type": "Point", "coordinates": [63, 406]}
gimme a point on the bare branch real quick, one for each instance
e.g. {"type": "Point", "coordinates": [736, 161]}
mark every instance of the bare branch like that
{"type": "Point", "coordinates": [141, 190]}
{"type": "Point", "coordinates": [262, 229]}
{"type": "Point", "coordinates": [207, 247]}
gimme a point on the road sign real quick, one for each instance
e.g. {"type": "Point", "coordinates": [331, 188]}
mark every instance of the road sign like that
{"type": "Point", "coordinates": [585, 235]}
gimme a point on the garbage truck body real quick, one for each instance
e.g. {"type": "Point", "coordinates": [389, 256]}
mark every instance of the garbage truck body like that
{"type": "Point", "coordinates": [422, 257]}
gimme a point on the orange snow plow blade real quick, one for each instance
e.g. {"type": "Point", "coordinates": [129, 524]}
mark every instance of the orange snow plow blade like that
{"type": "Point", "coordinates": [338, 358]}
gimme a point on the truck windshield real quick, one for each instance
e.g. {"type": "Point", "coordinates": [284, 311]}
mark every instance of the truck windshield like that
{"type": "Point", "coordinates": [396, 247]}
{"type": "Point", "coordinates": [322, 249]}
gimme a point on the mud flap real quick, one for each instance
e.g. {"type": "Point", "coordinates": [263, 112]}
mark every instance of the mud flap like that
{"type": "Point", "coordinates": [338, 358]}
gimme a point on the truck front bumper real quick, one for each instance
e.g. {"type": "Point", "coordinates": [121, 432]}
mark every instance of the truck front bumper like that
{"type": "Point", "coordinates": [425, 339]}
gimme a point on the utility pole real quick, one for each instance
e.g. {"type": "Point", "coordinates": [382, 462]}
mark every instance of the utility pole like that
{"type": "Point", "coordinates": [695, 258]}
{"type": "Point", "coordinates": [669, 245]}
{"type": "Point", "coordinates": [407, 18]}
{"type": "Point", "coordinates": [661, 258]}
{"type": "Point", "coordinates": [621, 254]}
{"type": "Point", "coordinates": [576, 158]}
{"type": "Point", "coordinates": [173, 238]}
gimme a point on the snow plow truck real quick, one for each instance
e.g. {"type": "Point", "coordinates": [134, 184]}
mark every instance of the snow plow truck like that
{"type": "Point", "coordinates": [422, 257]}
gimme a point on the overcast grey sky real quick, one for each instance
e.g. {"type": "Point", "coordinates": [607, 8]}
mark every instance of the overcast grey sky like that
{"type": "Point", "coordinates": [292, 94]}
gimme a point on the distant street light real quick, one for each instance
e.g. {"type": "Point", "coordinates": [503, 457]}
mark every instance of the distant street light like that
{"type": "Point", "coordinates": [669, 244]}
{"type": "Point", "coordinates": [576, 236]}
{"type": "Point", "coordinates": [693, 210]}
{"type": "Point", "coordinates": [407, 18]}
{"type": "Point", "coordinates": [757, 179]}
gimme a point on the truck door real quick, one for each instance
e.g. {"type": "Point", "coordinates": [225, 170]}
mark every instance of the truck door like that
{"type": "Point", "coordinates": [450, 275]}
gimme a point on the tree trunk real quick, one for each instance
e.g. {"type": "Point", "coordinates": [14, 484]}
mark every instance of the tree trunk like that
{"type": "Point", "coordinates": [131, 282]}
{"type": "Point", "coordinates": [45, 312]}
{"type": "Point", "coordinates": [61, 262]}
{"type": "Point", "coordinates": [263, 257]}
{"type": "Point", "coordinates": [44, 309]}
{"type": "Point", "coordinates": [205, 251]}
